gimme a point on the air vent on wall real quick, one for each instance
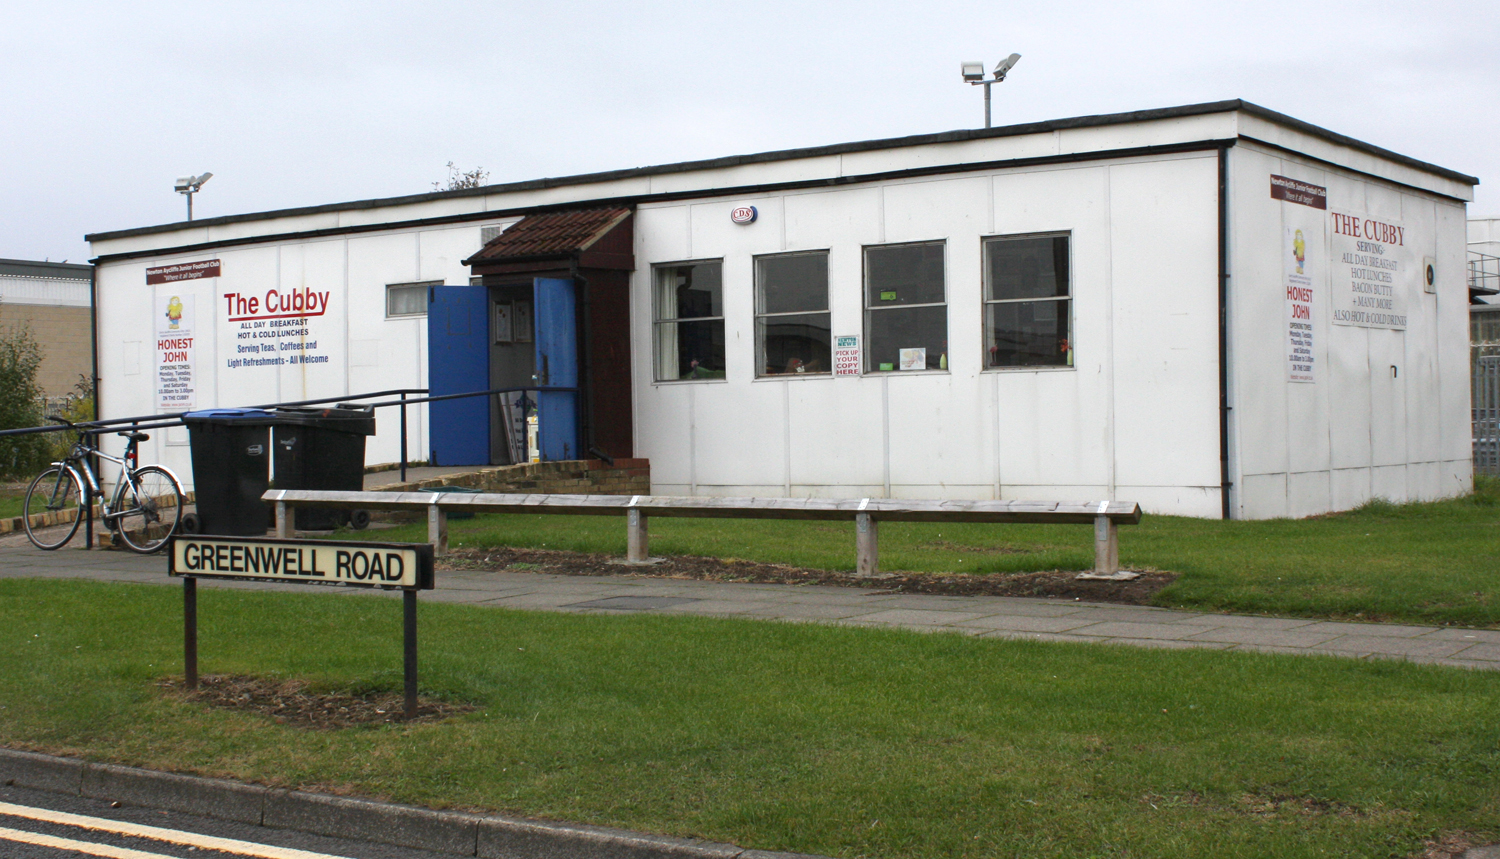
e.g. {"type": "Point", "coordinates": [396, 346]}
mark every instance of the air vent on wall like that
{"type": "Point", "coordinates": [489, 234]}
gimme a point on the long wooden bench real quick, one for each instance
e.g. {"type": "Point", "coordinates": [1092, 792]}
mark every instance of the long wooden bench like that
{"type": "Point", "coordinates": [866, 513]}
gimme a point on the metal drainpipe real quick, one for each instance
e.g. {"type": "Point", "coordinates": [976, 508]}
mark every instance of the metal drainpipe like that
{"type": "Point", "coordinates": [94, 333]}
{"type": "Point", "coordinates": [1225, 484]}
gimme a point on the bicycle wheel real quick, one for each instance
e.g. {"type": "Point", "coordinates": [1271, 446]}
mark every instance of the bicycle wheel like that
{"type": "Point", "coordinates": [54, 490]}
{"type": "Point", "coordinates": [150, 511]}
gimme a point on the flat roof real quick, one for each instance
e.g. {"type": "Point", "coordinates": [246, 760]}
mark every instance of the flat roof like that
{"type": "Point", "coordinates": [40, 268]}
{"type": "Point", "coordinates": [816, 151]}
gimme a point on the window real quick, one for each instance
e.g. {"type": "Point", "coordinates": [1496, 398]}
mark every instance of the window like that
{"type": "Point", "coordinates": [689, 321]}
{"type": "Point", "coordinates": [791, 314]}
{"type": "Point", "coordinates": [407, 299]}
{"type": "Point", "coordinates": [906, 310]}
{"type": "Point", "coordinates": [1027, 303]}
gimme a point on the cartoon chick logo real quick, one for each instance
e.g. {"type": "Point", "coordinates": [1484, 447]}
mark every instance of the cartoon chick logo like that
{"type": "Point", "coordinates": [1299, 250]}
{"type": "Point", "coordinates": [174, 311]}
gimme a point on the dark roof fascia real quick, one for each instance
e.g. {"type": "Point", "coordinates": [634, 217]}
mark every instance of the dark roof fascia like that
{"type": "Point", "coordinates": [37, 268]}
{"type": "Point", "coordinates": [958, 136]}
{"type": "Point", "coordinates": [696, 194]}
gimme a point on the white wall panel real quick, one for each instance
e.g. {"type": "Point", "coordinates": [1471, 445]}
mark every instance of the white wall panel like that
{"type": "Point", "coordinates": [1164, 262]}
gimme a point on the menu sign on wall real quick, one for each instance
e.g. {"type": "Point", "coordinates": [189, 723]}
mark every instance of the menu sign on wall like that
{"type": "Point", "coordinates": [176, 355]}
{"type": "Point", "coordinates": [1373, 272]}
{"type": "Point", "coordinates": [276, 328]}
{"type": "Point", "coordinates": [1298, 279]}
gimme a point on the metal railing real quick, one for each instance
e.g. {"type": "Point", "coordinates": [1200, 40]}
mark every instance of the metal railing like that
{"type": "Point", "coordinates": [403, 401]}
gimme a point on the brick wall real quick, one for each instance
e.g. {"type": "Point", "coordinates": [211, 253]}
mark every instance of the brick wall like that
{"type": "Point", "coordinates": [573, 477]}
{"type": "Point", "coordinates": [63, 333]}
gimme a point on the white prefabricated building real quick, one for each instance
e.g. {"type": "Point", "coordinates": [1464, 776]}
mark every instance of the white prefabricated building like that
{"type": "Point", "coordinates": [1214, 310]}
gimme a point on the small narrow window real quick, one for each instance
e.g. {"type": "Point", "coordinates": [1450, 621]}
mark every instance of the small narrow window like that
{"type": "Point", "coordinates": [689, 321]}
{"type": "Point", "coordinates": [906, 309]}
{"type": "Point", "coordinates": [1027, 302]}
{"type": "Point", "coordinates": [791, 314]}
{"type": "Point", "coordinates": [407, 299]}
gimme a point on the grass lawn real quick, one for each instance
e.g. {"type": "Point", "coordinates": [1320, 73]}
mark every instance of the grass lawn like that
{"type": "Point", "coordinates": [839, 741]}
{"type": "Point", "coordinates": [10, 501]}
{"type": "Point", "coordinates": [1424, 563]}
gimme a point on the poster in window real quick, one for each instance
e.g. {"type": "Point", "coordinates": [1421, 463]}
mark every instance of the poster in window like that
{"type": "Point", "coordinates": [503, 323]}
{"type": "Point", "coordinates": [522, 322]}
{"type": "Point", "coordinates": [914, 359]}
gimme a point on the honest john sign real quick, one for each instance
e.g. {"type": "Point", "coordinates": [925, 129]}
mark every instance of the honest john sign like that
{"type": "Point", "coordinates": [325, 562]}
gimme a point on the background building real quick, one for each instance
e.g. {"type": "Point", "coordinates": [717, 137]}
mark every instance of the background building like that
{"type": "Point", "coordinates": [54, 299]}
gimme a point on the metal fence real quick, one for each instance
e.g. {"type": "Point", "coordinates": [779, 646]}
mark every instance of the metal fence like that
{"type": "Point", "coordinates": [1486, 414]}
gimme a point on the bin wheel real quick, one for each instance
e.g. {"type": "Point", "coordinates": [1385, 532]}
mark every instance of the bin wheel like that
{"type": "Point", "coordinates": [359, 520]}
{"type": "Point", "coordinates": [191, 524]}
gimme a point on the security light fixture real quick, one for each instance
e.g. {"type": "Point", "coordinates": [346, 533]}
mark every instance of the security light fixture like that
{"type": "Point", "coordinates": [974, 74]}
{"type": "Point", "coordinates": [188, 186]}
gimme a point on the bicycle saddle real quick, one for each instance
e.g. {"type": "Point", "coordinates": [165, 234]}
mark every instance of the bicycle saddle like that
{"type": "Point", "coordinates": [134, 436]}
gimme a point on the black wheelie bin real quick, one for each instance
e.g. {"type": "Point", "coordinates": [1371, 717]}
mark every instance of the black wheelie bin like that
{"type": "Point", "coordinates": [321, 448]}
{"type": "Point", "coordinates": [231, 471]}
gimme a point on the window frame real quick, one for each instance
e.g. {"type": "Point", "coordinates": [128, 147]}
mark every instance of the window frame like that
{"type": "Point", "coordinates": [866, 308]}
{"type": "Point", "coordinates": [426, 303]}
{"type": "Point", "coordinates": [758, 317]}
{"type": "Point", "coordinates": [985, 301]}
{"type": "Point", "coordinates": [657, 320]}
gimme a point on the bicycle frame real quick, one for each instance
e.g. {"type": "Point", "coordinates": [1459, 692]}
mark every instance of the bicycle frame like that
{"type": "Point", "coordinates": [78, 461]}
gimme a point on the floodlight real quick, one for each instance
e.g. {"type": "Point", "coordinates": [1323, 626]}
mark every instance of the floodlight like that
{"type": "Point", "coordinates": [188, 186]}
{"type": "Point", "coordinates": [973, 70]}
{"type": "Point", "coordinates": [1006, 65]}
{"type": "Point", "coordinates": [207, 176]}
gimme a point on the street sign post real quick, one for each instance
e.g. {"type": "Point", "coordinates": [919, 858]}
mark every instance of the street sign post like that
{"type": "Point", "coordinates": [407, 567]}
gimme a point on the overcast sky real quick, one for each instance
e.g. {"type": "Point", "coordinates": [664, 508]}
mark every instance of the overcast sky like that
{"type": "Point", "coordinates": [293, 104]}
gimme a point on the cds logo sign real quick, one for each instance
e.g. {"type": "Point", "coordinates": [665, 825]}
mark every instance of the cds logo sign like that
{"type": "Point", "coordinates": [744, 215]}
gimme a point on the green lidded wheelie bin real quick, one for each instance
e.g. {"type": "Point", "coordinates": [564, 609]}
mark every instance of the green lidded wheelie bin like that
{"type": "Point", "coordinates": [322, 448]}
{"type": "Point", "coordinates": [231, 459]}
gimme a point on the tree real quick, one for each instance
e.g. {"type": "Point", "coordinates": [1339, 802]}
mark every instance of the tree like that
{"type": "Point", "coordinates": [461, 179]}
{"type": "Point", "coordinates": [21, 402]}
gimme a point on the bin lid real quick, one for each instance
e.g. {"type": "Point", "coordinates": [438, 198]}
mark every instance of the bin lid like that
{"type": "Point", "coordinates": [259, 416]}
{"type": "Point", "coordinates": [356, 421]}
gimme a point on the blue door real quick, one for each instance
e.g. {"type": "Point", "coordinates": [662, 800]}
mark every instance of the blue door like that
{"type": "Point", "coordinates": [557, 365]}
{"type": "Point", "coordinates": [458, 361]}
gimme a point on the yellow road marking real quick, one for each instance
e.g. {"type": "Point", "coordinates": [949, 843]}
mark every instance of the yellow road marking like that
{"type": "Point", "coordinates": [77, 846]}
{"type": "Point", "coordinates": [139, 830]}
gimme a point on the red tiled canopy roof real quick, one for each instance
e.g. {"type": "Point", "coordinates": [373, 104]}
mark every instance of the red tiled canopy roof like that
{"type": "Point", "coordinates": [551, 234]}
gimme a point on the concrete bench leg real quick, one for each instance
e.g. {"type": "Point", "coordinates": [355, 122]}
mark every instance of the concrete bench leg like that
{"type": "Point", "coordinates": [437, 530]}
{"type": "Point", "coordinates": [1106, 546]}
{"type": "Point", "coordinates": [637, 537]}
{"type": "Point", "coordinates": [286, 520]}
{"type": "Point", "coordinates": [866, 545]}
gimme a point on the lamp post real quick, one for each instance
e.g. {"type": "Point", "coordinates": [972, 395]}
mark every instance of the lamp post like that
{"type": "Point", "coordinates": [974, 73]}
{"type": "Point", "coordinates": [189, 185]}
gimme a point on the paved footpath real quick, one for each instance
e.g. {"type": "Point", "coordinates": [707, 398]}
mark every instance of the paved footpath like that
{"type": "Point", "coordinates": [992, 617]}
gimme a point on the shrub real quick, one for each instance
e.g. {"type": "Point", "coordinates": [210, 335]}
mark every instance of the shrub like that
{"type": "Point", "coordinates": [21, 403]}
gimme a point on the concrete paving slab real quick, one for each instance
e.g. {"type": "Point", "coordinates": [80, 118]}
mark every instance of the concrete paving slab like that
{"type": "Point", "coordinates": [1025, 623]}
{"type": "Point", "coordinates": [1475, 636]}
{"type": "Point", "coordinates": [1169, 643]}
{"type": "Point", "coordinates": [1389, 646]}
{"type": "Point", "coordinates": [1477, 652]}
{"type": "Point", "coordinates": [1289, 638]}
{"type": "Point", "coordinates": [918, 617]}
{"type": "Point", "coordinates": [719, 607]}
{"type": "Point", "coordinates": [1218, 620]}
{"type": "Point", "coordinates": [809, 611]}
{"type": "Point", "coordinates": [1365, 630]}
{"type": "Point", "coordinates": [1131, 614]}
{"type": "Point", "coordinates": [1153, 631]}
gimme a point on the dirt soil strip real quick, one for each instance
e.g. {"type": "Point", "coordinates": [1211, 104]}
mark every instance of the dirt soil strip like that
{"type": "Point", "coordinates": [1059, 584]}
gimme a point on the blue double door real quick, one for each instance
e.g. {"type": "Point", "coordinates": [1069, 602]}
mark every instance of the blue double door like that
{"type": "Point", "coordinates": [463, 357]}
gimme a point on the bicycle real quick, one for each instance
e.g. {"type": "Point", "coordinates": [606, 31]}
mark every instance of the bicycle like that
{"type": "Point", "coordinates": [144, 510]}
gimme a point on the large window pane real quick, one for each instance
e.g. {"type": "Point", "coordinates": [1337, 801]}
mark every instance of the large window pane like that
{"type": "Point", "coordinates": [794, 343]}
{"type": "Point", "coordinates": [1028, 307]}
{"type": "Point", "coordinates": [904, 274]}
{"type": "Point", "coordinates": [1027, 334]}
{"type": "Point", "coordinates": [689, 321]}
{"type": "Point", "coordinates": [905, 329]}
{"type": "Point", "coordinates": [793, 283]}
{"type": "Point", "coordinates": [791, 314]}
{"type": "Point", "coordinates": [407, 299]}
